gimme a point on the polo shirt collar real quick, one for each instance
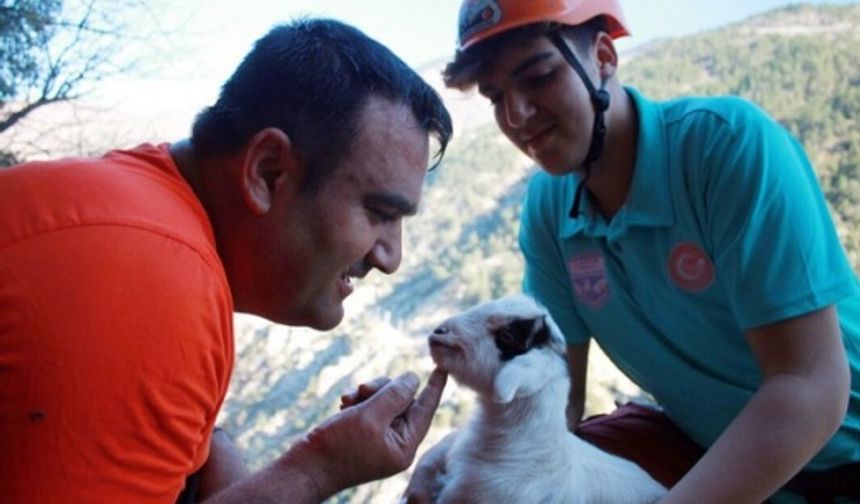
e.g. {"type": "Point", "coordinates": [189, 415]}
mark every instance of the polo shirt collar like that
{"type": "Point", "coordinates": [649, 203]}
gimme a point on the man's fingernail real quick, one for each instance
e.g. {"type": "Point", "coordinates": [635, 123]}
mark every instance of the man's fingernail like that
{"type": "Point", "coordinates": [410, 380]}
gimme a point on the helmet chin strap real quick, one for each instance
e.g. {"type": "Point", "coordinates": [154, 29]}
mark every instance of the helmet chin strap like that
{"type": "Point", "coordinates": [600, 102]}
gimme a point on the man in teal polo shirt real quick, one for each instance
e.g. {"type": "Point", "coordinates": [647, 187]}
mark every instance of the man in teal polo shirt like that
{"type": "Point", "coordinates": [691, 240]}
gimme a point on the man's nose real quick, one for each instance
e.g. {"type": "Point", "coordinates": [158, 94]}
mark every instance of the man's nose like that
{"type": "Point", "coordinates": [386, 253]}
{"type": "Point", "coordinates": [518, 109]}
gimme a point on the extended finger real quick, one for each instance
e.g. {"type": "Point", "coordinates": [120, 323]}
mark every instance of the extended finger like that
{"type": "Point", "coordinates": [420, 414]}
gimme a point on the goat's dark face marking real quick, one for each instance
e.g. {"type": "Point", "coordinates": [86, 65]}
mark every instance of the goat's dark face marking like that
{"type": "Point", "coordinates": [520, 335]}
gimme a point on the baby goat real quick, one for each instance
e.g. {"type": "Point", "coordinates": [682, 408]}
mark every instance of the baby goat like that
{"type": "Point", "coordinates": [517, 448]}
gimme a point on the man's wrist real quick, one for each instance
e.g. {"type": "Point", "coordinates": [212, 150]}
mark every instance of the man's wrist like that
{"type": "Point", "coordinates": [306, 467]}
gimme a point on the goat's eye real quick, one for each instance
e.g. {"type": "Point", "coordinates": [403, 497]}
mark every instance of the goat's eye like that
{"type": "Point", "coordinates": [507, 337]}
{"type": "Point", "coordinates": [508, 342]}
{"type": "Point", "coordinates": [516, 337]}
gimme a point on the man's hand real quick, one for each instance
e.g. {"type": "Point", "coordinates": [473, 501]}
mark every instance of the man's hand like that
{"type": "Point", "coordinates": [374, 436]}
{"type": "Point", "coordinates": [424, 485]}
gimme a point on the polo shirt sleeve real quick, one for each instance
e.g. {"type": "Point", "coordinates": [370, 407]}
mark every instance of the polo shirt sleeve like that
{"type": "Point", "coordinates": [546, 278]}
{"type": "Point", "coordinates": [774, 244]}
{"type": "Point", "coordinates": [116, 357]}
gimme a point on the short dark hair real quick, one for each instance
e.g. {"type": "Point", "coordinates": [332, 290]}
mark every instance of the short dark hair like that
{"type": "Point", "coordinates": [311, 78]}
{"type": "Point", "coordinates": [463, 71]}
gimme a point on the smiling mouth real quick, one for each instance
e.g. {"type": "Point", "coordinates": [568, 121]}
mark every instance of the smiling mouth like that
{"type": "Point", "coordinates": [345, 286]}
{"type": "Point", "coordinates": [535, 141]}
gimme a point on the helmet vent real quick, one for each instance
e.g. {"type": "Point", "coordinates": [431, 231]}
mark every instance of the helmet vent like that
{"type": "Point", "coordinates": [477, 16]}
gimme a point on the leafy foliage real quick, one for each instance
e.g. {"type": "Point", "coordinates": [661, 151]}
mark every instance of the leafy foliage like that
{"type": "Point", "coordinates": [24, 26]}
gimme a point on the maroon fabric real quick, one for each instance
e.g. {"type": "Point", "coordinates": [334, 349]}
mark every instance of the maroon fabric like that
{"type": "Point", "coordinates": [824, 487]}
{"type": "Point", "coordinates": [645, 436]}
{"type": "Point", "coordinates": [648, 438]}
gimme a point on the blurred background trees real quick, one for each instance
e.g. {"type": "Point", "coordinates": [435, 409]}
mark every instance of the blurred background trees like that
{"type": "Point", "coordinates": [54, 52]}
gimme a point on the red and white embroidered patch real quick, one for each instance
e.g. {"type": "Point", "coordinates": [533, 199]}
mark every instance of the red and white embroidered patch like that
{"type": "Point", "coordinates": [690, 267]}
{"type": "Point", "coordinates": [588, 277]}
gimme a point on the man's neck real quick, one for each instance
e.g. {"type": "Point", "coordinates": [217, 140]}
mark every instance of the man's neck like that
{"type": "Point", "coordinates": [612, 173]}
{"type": "Point", "coordinates": [183, 155]}
{"type": "Point", "coordinates": [212, 191]}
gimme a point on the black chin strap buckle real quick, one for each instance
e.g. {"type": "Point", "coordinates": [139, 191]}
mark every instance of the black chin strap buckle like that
{"type": "Point", "coordinates": [600, 102]}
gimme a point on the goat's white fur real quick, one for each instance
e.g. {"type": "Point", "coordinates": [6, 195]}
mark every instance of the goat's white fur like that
{"type": "Point", "coordinates": [517, 448]}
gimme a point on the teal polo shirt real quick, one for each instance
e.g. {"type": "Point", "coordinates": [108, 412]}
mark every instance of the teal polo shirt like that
{"type": "Point", "coordinates": [725, 229]}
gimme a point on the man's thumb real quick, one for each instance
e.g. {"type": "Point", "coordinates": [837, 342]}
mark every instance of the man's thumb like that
{"type": "Point", "coordinates": [394, 398]}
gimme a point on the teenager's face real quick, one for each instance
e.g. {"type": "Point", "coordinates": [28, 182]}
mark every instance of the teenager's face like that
{"type": "Point", "coordinates": [352, 224]}
{"type": "Point", "coordinates": [540, 103]}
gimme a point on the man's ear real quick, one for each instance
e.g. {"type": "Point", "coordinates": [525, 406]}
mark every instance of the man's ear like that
{"type": "Point", "coordinates": [270, 167]}
{"type": "Point", "coordinates": [605, 55]}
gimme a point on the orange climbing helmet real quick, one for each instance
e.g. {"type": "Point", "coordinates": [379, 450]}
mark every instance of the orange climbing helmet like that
{"type": "Point", "coordinates": [481, 19]}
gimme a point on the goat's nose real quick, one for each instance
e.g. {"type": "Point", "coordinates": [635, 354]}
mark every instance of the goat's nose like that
{"type": "Point", "coordinates": [442, 329]}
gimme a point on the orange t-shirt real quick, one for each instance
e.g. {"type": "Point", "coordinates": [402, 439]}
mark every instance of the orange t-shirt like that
{"type": "Point", "coordinates": [116, 338]}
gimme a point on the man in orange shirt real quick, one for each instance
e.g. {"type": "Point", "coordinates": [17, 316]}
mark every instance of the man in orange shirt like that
{"type": "Point", "coordinates": [119, 277]}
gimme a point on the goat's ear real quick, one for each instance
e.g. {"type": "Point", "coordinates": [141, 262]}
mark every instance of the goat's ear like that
{"type": "Point", "coordinates": [522, 376]}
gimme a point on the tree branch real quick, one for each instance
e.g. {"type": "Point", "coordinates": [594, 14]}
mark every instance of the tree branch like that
{"type": "Point", "coordinates": [16, 116]}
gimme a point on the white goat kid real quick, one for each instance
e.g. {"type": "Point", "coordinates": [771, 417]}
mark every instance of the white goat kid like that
{"type": "Point", "coordinates": [517, 448]}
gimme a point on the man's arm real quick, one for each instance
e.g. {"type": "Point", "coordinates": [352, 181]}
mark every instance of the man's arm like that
{"type": "Point", "coordinates": [364, 442]}
{"type": "Point", "coordinates": [224, 467]}
{"type": "Point", "coordinates": [800, 404]}
{"type": "Point", "coordinates": [577, 365]}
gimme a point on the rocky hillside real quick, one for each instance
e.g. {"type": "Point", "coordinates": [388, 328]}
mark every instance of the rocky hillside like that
{"type": "Point", "coordinates": [800, 63]}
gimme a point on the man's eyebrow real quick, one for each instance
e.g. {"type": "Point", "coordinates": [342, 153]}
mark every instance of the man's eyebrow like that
{"type": "Point", "coordinates": [391, 200]}
{"type": "Point", "coordinates": [519, 69]}
{"type": "Point", "coordinates": [534, 60]}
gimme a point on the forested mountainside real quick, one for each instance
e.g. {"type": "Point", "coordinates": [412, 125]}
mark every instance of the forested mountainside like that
{"type": "Point", "coordinates": [800, 63]}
